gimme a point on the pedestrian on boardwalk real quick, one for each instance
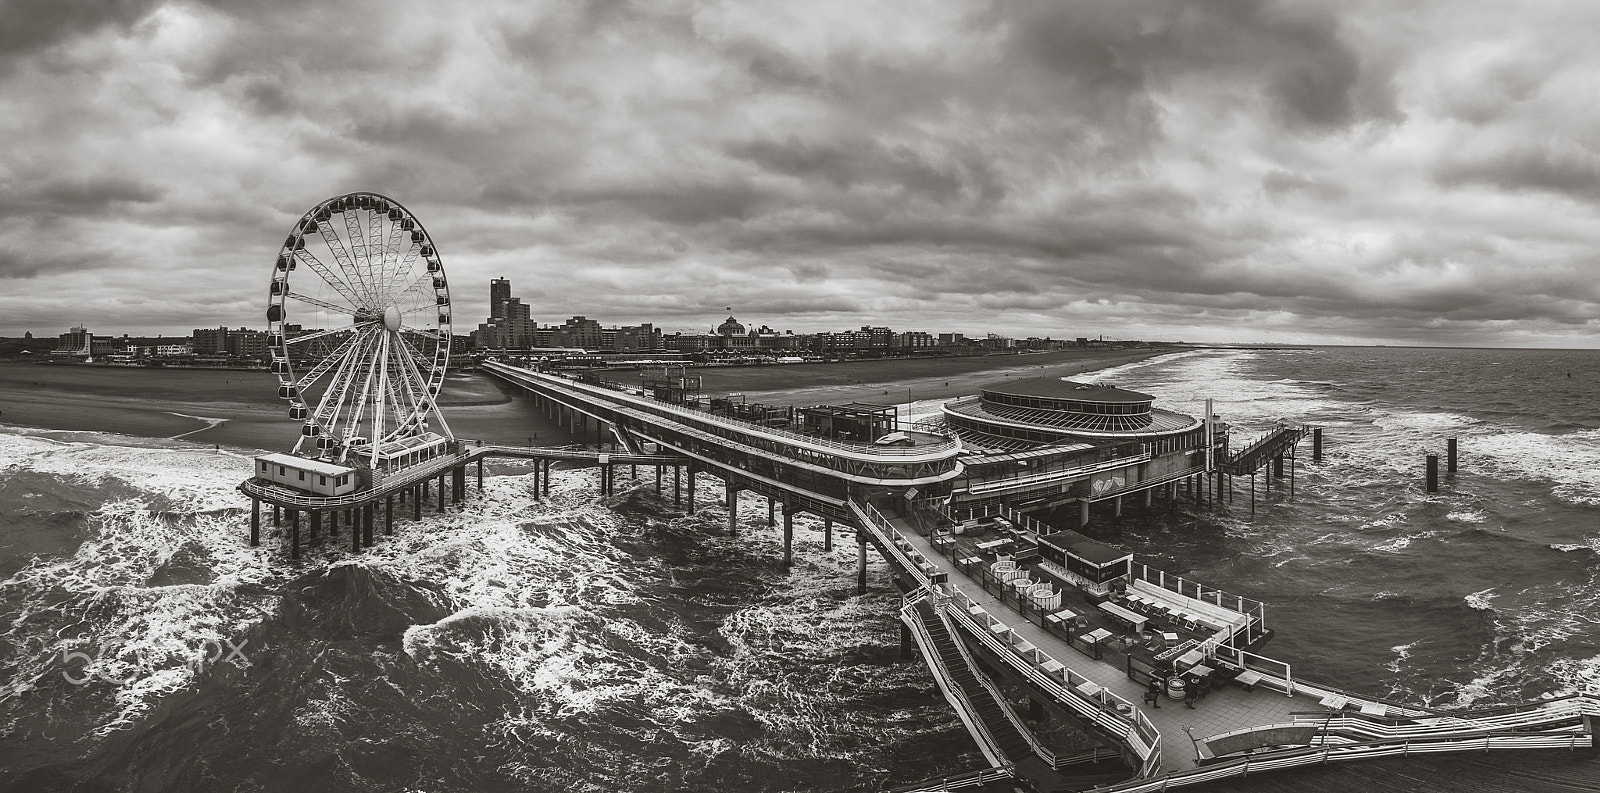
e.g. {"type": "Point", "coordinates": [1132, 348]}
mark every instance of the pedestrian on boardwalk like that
{"type": "Point", "coordinates": [1191, 695]}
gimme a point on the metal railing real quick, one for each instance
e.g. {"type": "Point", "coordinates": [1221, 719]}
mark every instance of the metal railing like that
{"type": "Point", "coordinates": [969, 712]}
{"type": "Point", "coordinates": [944, 444]}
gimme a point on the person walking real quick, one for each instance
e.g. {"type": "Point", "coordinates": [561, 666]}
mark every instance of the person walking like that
{"type": "Point", "coordinates": [1191, 695]}
{"type": "Point", "coordinates": [1152, 694]}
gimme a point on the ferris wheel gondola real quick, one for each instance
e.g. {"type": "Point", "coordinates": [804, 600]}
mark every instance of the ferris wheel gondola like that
{"type": "Point", "coordinates": [362, 265]}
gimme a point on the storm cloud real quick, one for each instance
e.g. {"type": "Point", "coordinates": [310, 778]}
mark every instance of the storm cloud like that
{"type": "Point", "coordinates": [1230, 170]}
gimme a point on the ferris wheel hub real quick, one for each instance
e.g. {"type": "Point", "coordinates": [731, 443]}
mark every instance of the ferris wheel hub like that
{"type": "Point", "coordinates": [391, 319]}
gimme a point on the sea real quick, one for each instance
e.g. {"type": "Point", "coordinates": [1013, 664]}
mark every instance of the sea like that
{"type": "Point", "coordinates": [581, 643]}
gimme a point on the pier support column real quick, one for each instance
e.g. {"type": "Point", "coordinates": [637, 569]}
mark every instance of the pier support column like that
{"type": "Point", "coordinates": [367, 518]}
{"type": "Point", "coordinates": [1316, 444]}
{"type": "Point", "coordinates": [772, 518]}
{"type": "Point", "coordinates": [277, 515]}
{"type": "Point", "coordinates": [1083, 513]}
{"type": "Point", "coordinates": [658, 480]}
{"type": "Point", "coordinates": [861, 562]}
{"type": "Point", "coordinates": [732, 497]}
{"type": "Point", "coordinates": [255, 523]}
{"type": "Point", "coordinates": [1277, 465]}
{"type": "Point", "coordinates": [355, 529]}
{"type": "Point", "coordinates": [1433, 473]}
{"type": "Point", "coordinates": [333, 523]}
{"type": "Point", "coordinates": [388, 509]}
{"type": "Point", "coordinates": [316, 523]}
{"type": "Point", "coordinates": [827, 534]}
{"type": "Point", "coordinates": [294, 534]}
{"type": "Point", "coordinates": [480, 476]}
{"type": "Point", "coordinates": [1117, 507]}
{"type": "Point", "coordinates": [1450, 456]}
{"type": "Point", "coordinates": [1147, 497]}
{"type": "Point", "coordinates": [677, 485]}
{"type": "Point", "coordinates": [690, 488]}
{"type": "Point", "coordinates": [441, 492]}
{"type": "Point", "coordinates": [546, 479]}
{"type": "Point", "coordinates": [788, 535]}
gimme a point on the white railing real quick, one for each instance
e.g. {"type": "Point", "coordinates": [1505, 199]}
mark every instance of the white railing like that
{"type": "Point", "coordinates": [944, 444]}
{"type": "Point", "coordinates": [953, 691]}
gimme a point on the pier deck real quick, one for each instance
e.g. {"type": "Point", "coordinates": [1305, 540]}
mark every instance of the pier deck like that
{"type": "Point", "coordinates": [1223, 710]}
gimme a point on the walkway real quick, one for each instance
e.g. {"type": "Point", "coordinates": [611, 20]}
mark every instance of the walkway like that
{"type": "Point", "coordinates": [1223, 710]}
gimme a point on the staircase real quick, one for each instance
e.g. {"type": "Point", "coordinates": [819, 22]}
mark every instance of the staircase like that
{"type": "Point", "coordinates": [983, 705]}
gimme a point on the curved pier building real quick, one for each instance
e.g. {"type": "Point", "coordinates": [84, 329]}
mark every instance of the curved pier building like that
{"type": "Point", "coordinates": [1043, 442]}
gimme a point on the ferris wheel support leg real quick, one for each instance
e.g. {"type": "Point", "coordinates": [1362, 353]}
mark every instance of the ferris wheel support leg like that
{"type": "Point", "coordinates": [366, 524]}
{"type": "Point", "coordinates": [441, 493]}
{"type": "Point", "coordinates": [480, 476]}
{"type": "Point", "coordinates": [732, 497]}
{"type": "Point", "coordinates": [355, 530]}
{"type": "Point", "coordinates": [388, 508]}
{"type": "Point", "coordinates": [294, 534]}
{"type": "Point", "coordinates": [255, 522]}
{"type": "Point", "coordinates": [277, 515]}
{"type": "Point", "coordinates": [316, 523]}
{"type": "Point", "coordinates": [690, 489]}
{"type": "Point", "coordinates": [416, 501]}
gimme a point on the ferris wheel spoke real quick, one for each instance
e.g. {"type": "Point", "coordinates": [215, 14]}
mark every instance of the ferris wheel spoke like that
{"type": "Point", "coordinates": [342, 256]}
{"type": "Point", "coordinates": [418, 286]}
{"type": "Point", "coordinates": [358, 407]}
{"type": "Point", "coordinates": [406, 262]}
{"type": "Point", "coordinates": [358, 240]}
{"type": "Point", "coordinates": [310, 259]}
{"type": "Point", "coordinates": [390, 266]}
{"type": "Point", "coordinates": [323, 303]}
{"type": "Point", "coordinates": [432, 398]}
{"type": "Point", "coordinates": [332, 403]}
{"type": "Point", "coordinates": [338, 356]}
{"type": "Point", "coordinates": [301, 339]}
{"type": "Point", "coordinates": [375, 247]}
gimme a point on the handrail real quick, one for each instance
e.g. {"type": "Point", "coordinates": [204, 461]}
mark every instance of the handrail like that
{"type": "Point", "coordinates": [990, 744]}
{"type": "Point", "coordinates": [946, 443]}
{"type": "Point", "coordinates": [1000, 699]}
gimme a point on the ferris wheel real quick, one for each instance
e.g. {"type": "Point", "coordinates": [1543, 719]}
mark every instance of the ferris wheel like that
{"type": "Point", "coordinates": [361, 337]}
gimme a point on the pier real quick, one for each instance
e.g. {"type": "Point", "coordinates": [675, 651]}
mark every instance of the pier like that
{"type": "Point", "coordinates": [992, 598]}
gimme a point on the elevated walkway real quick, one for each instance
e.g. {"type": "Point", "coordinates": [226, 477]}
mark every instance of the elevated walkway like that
{"type": "Point", "coordinates": [1262, 450]}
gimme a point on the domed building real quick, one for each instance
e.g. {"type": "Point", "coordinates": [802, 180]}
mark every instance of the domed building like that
{"type": "Point", "coordinates": [730, 327]}
{"type": "Point", "coordinates": [1041, 442]}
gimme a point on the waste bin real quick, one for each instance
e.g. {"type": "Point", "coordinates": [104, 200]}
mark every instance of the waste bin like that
{"type": "Point", "coordinates": [1176, 687]}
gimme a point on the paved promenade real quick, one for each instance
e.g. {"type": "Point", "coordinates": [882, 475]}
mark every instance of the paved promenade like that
{"type": "Point", "coordinates": [1223, 710]}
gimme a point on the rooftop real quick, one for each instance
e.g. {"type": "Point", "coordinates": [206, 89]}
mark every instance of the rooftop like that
{"type": "Point", "coordinates": [1056, 388]}
{"type": "Point", "coordinates": [1085, 548]}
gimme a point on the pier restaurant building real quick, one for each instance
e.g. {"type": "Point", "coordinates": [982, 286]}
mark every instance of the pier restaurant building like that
{"type": "Point", "coordinates": [1043, 442]}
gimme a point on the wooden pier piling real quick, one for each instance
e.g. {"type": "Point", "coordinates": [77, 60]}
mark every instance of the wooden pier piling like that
{"type": "Point", "coordinates": [1433, 473]}
{"type": "Point", "coordinates": [1316, 444]}
{"type": "Point", "coordinates": [1450, 456]}
{"type": "Point", "coordinates": [255, 522]}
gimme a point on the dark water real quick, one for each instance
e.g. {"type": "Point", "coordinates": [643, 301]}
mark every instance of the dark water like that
{"type": "Point", "coordinates": [579, 645]}
{"type": "Point", "coordinates": [1484, 592]}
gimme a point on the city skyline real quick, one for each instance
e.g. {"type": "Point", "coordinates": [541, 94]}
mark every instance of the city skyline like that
{"type": "Point", "coordinates": [1212, 172]}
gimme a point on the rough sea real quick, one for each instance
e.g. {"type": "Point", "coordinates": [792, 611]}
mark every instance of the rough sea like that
{"type": "Point", "coordinates": [580, 643]}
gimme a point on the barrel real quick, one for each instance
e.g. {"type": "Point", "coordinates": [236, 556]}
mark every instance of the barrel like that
{"type": "Point", "coordinates": [1176, 687]}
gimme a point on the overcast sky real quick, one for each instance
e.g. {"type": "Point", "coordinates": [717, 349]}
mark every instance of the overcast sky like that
{"type": "Point", "coordinates": [1401, 172]}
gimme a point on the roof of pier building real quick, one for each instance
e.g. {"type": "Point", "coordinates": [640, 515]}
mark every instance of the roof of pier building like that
{"type": "Point", "coordinates": [1054, 389]}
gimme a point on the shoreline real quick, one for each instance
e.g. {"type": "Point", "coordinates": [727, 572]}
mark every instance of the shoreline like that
{"type": "Point", "coordinates": [220, 408]}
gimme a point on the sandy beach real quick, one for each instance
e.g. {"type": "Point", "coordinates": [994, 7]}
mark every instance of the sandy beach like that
{"type": "Point", "coordinates": [895, 381]}
{"type": "Point", "coordinates": [240, 408]}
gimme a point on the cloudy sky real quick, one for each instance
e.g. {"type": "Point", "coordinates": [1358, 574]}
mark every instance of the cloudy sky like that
{"type": "Point", "coordinates": [1400, 172]}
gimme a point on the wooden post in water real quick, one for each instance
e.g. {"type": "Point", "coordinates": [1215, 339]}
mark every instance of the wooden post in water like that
{"type": "Point", "coordinates": [658, 479]}
{"type": "Point", "coordinates": [255, 523]}
{"type": "Point", "coordinates": [480, 476]}
{"type": "Point", "coordinates": [388, 522]}
{"type": "Point", "coordinates": [732, 497]}
{"type": "Point", "coordinates": [788, 536]}
{"type": "Point", "coordinates": [1433, 473]}
{"type": "Point", "coordinates": [1117, 507]}
{"type": "Point", "coordinates": [1450, 456]}
{"type": "Point", "coordinates": [294, 534]}
{"type": "Point", "coordinates": [861, 561]}
{"type": "Point", "coordinates": [689, 489]}
{"type": "Point", "coordinates": [416, 500]}
{"type": "Point", "coordinates": [277, 514]}
{"type": "Point", "coordinates": [772, 517]}
{"type": "Point", "coordinates": [827, 534]}
{"type": "Point", "coordinates": [355, 530]}
{"type": "Point", "coordinates": [677, 485]}
{"type": "Point", "coordinates": [1316, 444]}
{"type": "Point", "coordinates": [546, 478]}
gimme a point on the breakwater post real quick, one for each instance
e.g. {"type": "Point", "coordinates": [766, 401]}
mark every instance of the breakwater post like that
{"type": "Point", "coordinates": [1450, 456]}
{"type": "Point", "coordinates": [1316, 444]}
{"type": "Point", "coordinates": [1433, 473]}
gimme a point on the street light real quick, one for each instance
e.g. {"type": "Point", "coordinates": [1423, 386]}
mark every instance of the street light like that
{"type": "Point", "coordinates": [1187, 730]}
